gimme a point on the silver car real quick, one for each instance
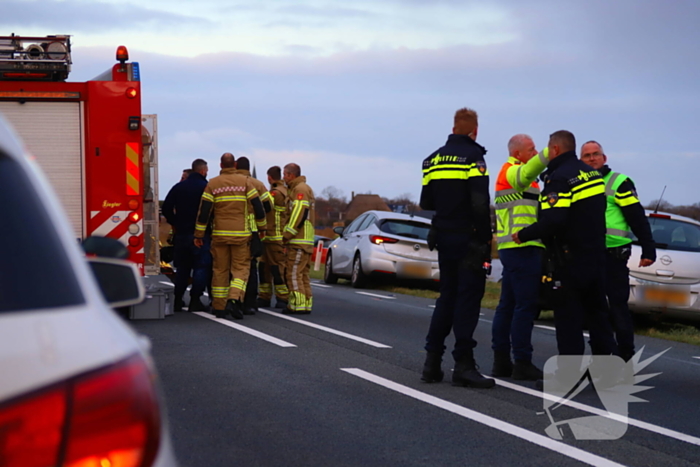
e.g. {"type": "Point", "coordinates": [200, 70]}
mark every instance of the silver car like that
{"type": "Point", "coordinates": [385, 244]}
{"type": "Point", "coordinates": [672, 284]}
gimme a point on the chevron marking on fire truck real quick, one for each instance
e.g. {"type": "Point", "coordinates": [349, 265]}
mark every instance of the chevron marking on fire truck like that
{"type": "Point", "coordinates": [132, 169]}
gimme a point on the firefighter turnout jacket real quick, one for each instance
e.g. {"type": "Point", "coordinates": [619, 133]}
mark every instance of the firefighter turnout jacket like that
{"type": "Point", "coordinates": [572, 208]}
{"type": "Point", "coordinates": [625, 215]}
{"type": "Point", "coordinates": [517, 198]}
{"type": "Point", "coordinates": [299, 231]}
{"type": "Point", "coordinates": [456, 187]}
{"type": "Point", "coordinates": [277, 217]}
{"type": "Point", "coordinates": [262, 192]}
{"type": "Point", "coordinates": [230, 197]}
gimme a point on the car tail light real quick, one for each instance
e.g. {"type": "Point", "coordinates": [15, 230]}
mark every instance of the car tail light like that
{"type": "Point", "coordinates": [106, 418]}
{"type": "Point", "coordinates": [378, 239]}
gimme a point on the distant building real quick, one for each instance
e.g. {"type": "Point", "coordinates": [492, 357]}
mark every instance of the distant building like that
{"type": "Point", "coordinates": [363, 203]}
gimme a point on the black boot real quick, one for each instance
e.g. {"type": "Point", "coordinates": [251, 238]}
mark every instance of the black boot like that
{"type": "Point", "coordinates": [262, 303]}
{"type": "Point", "coordinates": [467, 374]}
{"type": "Point", "coordinates": [524, 370]}
{"type": "Point", "coordinates": [178, 304]}
{"type": "Point", "coordinates": [220, 313]}
{"type": "Point", "coordinates": [281, 304]}
{"type": "Point", "coordinates": [432, 372]}
{"type": "Point", "coordinates": [234, 308]}
{"type": "Point", "coordinates": [502, 366]}
{"type": "Point", "coordinates": [249, 309]}
{"type": "Point", "coordinates": [196, 304]}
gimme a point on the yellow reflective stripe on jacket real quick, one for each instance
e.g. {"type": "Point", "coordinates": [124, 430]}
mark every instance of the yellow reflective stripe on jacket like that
{"type": "Point", "coordinates": [200, 227]}
{"type": "Point", "coordinates": [226, 198]}
{"type": "Point", "coordinates": [251, 194]}
{"type": "Point", "coordinates": [588, 189]}
{"type": "Point", "coordinates": [626, 199]}
{"type": "Point", "coordinates": [207, 196]}
{"type": "Point", "coordinates": [231, 233]}
{"type": "Point", "coordinates": [452, 172]}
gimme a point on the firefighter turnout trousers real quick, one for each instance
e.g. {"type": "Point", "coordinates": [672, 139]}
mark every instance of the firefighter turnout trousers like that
{"type": "Point", "coordinates": [230, 274]}
{"type": "Point", "coordinates": [272, 269]}
{"type": "Point", "coordinates": [298, 266]}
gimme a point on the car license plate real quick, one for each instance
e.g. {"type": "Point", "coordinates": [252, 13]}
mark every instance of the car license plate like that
{"type": "Point", "coordinates": [667, 296]}
{"type": "Point", "coordinates": [416, 270]}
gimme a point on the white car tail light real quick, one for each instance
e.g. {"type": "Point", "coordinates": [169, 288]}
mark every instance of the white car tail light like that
{"type": "Point", "coordinates": [108, 418]}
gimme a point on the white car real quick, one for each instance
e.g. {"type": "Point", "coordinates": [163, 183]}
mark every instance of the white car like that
{"type": "Point", "coordinates": [384, 244]}
{"type": "Point", "coordinates": [77, 385]}
{"type": "Point", "coordinates": [671, 285]}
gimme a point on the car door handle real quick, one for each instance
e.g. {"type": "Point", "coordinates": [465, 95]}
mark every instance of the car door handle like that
{"type": "Point", "coordinates": [665, 273]}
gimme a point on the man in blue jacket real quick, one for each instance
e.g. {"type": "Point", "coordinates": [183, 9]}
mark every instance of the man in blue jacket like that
{"type": "Point", "coordinates": [180, 210]}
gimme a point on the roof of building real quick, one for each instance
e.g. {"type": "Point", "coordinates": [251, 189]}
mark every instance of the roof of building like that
{"type": "Point", "coordinates": [363, 203]}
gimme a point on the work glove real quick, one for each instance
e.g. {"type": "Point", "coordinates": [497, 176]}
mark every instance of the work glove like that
{"type": "Point", "coordinates": [432, 238]}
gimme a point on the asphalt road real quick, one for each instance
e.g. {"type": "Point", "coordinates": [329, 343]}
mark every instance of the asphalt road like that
{"type": "Point", "coordinates": [341, 387]}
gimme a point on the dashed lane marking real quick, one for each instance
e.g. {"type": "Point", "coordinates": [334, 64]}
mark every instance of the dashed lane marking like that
{"type": "Point", "coordinates": [376, 295]}
{"type": "Point", "coordinates": [552, 328]}
{"type": "Point", "coordinates": [697, 358]}
{"type": "Point", "coordinates": [247, 330]}
{"type": "Point", "coordinates": [328, 330]}
{"type": "Point", "coordinates": [513, 430]}
{"type": "Point", "coordinates": [167, 283]}
{"type": "Point", "coordinates": [587, 408]}
{"type": "Point", "coordinates": [324, 286]}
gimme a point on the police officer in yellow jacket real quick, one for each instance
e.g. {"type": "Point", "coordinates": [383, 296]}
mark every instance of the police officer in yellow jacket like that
{"type": "Point", "coordinates": [299, 237]}
{"type": "Point", "coordinates": [571, 224]}
{"type": "Point", "coordinates": [624, 216]}
{"type": "Point", "coordinates": [517, 194]}
{"type": "Point", "coordinates": [250, 305]}
{"type": "Point", "coordinates": [230, 197]}
{"type": "Point", "coordinates": [272, 263]}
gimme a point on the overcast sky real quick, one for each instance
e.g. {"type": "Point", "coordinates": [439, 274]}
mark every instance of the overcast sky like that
{"type": "Point", "coordinates": [358, 93]}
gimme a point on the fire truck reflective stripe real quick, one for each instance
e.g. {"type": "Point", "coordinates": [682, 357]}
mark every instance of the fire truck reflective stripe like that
{"type": "Point", "coordinates": [115, 219]}
{"type": "Point", "coordinates": [133, 176]}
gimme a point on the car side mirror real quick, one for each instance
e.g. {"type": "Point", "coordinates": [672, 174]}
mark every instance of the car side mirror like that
{"type": "Point", "coordinates": [105, 247]}
{"type": "Point", "coordinates": [119, 281]}
{"type": "Point", "coordinates": [339, 230]}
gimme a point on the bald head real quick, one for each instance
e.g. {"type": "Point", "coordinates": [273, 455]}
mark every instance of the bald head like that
{"type": "Point", "coordinates": [228, 161]}
{"type": "Point", "coordinates": [521, 147]}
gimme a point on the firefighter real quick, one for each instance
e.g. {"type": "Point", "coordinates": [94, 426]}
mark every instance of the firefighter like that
{"type": "Point", "coordinates": [624, 216]}
{"type": "Point", "coordinates": [299, 239]}
{"type": "Point", "coordinates": [229, 198]}
{"type": "Point", "coordinates": [572, 225]}
{"type": "Point", "coordinates": [256, 247]}
{"type": "Point", "coordinates": [272, 263]}
{"type": "Point", "coordinates": [180, 210]}
{"type": "Point", "coordinates": [456, 187]}
{"type": "Point", "coordinates": [517, 195]}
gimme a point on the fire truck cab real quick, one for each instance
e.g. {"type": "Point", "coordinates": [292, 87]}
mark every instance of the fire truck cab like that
{"type": "Point", "coordinates": [90, 138]}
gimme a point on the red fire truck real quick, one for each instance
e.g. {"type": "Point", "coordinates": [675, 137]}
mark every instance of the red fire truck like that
{"type": "Point", "coordinates": [90, 138]}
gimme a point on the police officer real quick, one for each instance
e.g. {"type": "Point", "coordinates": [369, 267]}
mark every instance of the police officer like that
{"type": "Point", "coordinates": [517, 195]}
{"type": "Point", "coordinates": [180, 210]}
{"type": "Point", "coordinates": [456, 186]}
{"type": "Point", "coordinates": [272, 263]}
{"type": "Point", "coordinates": [229, 197]}
{"type": "Point", "coordinates": [299, 238]}
{"type": "Point", "coordinates": [250, 305]}
{"type": "Point", "coordinates": [624, 216]}
{"type": "Point", "coordinates": [572, 225]}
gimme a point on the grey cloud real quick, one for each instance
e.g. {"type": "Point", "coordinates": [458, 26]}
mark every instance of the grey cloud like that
{"type": "Point", "coordinates": [324, 12]}
{"type": "Point", "coordinates": [72, 16]}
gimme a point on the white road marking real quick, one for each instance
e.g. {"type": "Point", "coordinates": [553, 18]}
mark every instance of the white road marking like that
{"type": "Point", "coordinates": [322, 285]}
{"type": "Point", "coordinates": [552, 328]}
{"type": "Point", "coordinates": [252, 332]}
{"type": "Point", "coordinates": [329, 330]}
{"type": "Point", "coordinates": [697, 358]}
{"type": "Point", "coordinates": [376, 295]}
{"type": "Point", "coordinates": [540, 440]}
{"type": "Point", "coordinates": [167, 283]}
{"type": "Point", "coordinates": [431, 306]}
{"type": "Point", "coordinates": [587, 408]}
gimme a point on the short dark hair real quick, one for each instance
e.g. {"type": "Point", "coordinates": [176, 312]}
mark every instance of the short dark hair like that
{"type": "Point", "coordinates": [228, 161]}
{"type": "Point", "coordinates": [466, 120]}
{"type": "Point", "coordinates": [187, 171]}
{"type": "Point", "coordinates": [293, 169]}
{"type": "Point", "coordinates": [275, 172]}
{"type": "Point", "coordinates": [565, 139]}
{"type": "Point", "coordinates": [243, 163]}
{"type": "Point", "coordinates": [198, 164]}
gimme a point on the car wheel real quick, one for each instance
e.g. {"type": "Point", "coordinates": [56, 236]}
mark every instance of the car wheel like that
{"type": "Point", "coordinates": [328, 276]}
{"type": "Point", "coordinates": [358, 278]}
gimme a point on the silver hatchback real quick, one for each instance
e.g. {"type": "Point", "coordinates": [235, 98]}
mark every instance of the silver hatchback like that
{"type": "Point", "coordinates": [670, 286]}
{"type": "Point", "coordinates": [382, 244]}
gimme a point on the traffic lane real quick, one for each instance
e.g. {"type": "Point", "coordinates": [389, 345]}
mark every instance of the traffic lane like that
{"type": "Point", "coordinates": [234, 398]}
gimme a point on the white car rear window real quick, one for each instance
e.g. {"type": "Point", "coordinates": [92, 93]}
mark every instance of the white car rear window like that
{"type": "Point", "coordinates": [409, 229]}
{"type": "Point", "coordinates": [672, 234]}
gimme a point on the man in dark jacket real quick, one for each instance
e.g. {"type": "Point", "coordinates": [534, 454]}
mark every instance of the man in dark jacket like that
{"type": "Point", "coordinates": [456, 187]}
{"type": "Point", "coordinates": [180, 210]}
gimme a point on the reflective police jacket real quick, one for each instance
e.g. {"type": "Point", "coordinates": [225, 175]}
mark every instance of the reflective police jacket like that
{"type": "Point", "coordinates": [572, 208]}
{"type": "Point", "coordinates": [517, 198]}
{"type": "Point", "coordinates": [625, 214]}
{"type": "Point", "coordinates": [264, 197]}
{"type": "Point", "coordinates": [277, 217]}
{"type": "Point", "coordinates": [299, 231]}
{"type": "Point", "coordinates": [456, 187]}
{"type": "Point", "coordinates": [230, 197]}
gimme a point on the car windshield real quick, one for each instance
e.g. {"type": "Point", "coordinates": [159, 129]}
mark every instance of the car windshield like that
{"type": "Point", "coordinates": [34, 271]}
{"type": "Point", "coordinates": [405, 228]}
{"type": "Point", "coordinates": [671, 234]}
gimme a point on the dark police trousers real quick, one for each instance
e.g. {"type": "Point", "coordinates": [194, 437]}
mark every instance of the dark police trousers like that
{"type": "Point", "coordinates": [583, 302]}
{"type": "Point", "coordinates": [617, 288]}
{"type": "Point", "coordinates": [461, 291]}
{"type": "Point", "coordinates": [191, 260]}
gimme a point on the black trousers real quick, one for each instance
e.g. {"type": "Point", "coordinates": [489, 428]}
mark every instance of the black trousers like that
{"type": "Point", "coordinates": [617, 289]}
